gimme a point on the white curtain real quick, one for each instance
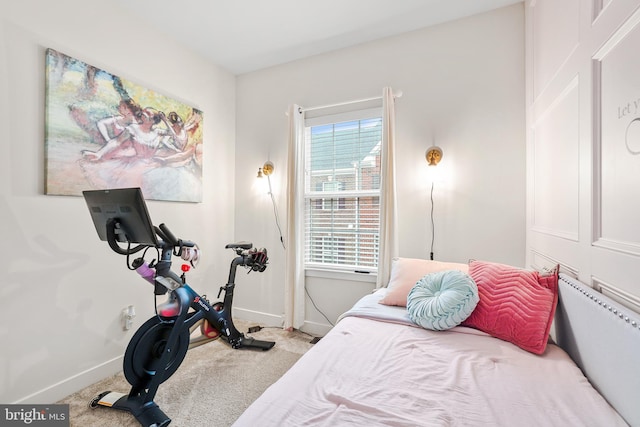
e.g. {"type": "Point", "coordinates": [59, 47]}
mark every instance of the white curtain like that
{"type": "Point", "coordinates": [388, 216]}
{"type": "Point", "coordinates": [294, 264]}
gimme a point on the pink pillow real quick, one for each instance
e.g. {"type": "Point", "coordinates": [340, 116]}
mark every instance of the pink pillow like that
{"type": "Point", "coordinates": [515, 305]}
{"type": "Point", "coordinates": [405, 273]}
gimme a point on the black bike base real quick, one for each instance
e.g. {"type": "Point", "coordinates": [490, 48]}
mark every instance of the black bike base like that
{"type": "Point", "coordinates": [248, 342]}
{"type": "Point", "coordinates": [254, 343]}
{"type": "Point", "coordinates": [148, 414]}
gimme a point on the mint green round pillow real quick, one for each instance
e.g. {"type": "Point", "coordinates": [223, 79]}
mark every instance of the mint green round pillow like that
{"type": "Point", "coordinates": [442, 300]}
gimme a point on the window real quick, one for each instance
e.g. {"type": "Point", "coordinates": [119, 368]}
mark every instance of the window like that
{"type": "Point", "coordinates": [342, 191]}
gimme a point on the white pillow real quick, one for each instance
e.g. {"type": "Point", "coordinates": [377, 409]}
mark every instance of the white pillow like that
{"type": "Point", "coordinates": [405, 273]}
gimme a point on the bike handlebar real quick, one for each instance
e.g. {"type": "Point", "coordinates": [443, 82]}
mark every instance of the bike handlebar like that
{"type": "Point", "coordinates": [248, 256]}
{"type": "Point", "coordinates": [254, 258]}
{"type": "Point", "coordinates": [165, 234]}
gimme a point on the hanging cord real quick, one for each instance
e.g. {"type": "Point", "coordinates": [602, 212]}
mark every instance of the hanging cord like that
{"type": "Point", "coordinates": [275, 212]}
{"type": "Point", "coordinates": [315, 306]}
{"type": "Point", "coordinates": [433, 228]}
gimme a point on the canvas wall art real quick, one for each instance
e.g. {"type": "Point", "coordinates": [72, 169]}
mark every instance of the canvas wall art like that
{"type": "Point", "coordinates": [103, 131]}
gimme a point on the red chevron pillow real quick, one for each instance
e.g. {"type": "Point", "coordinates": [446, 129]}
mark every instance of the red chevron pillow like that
{"type": "Point", "coordinates": [515, 305]}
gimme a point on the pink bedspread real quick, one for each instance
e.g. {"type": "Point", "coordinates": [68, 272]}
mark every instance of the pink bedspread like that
{"type": "Point", "coordinates": [374, 373]}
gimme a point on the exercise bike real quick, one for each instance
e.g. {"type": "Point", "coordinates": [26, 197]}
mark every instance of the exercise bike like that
{"type": "Point", "coordinates": [185, 320]}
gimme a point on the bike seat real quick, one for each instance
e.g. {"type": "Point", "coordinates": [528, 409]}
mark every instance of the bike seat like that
{"type": "Point", "coordinates": [241, 245]}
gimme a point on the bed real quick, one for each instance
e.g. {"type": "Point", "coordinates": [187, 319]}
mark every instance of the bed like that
{"type": "Point", "coordinates": [377, 367]}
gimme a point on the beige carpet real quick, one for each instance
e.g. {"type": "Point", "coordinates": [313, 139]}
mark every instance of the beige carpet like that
{"type": "Point", "coordinates": [213, 386]}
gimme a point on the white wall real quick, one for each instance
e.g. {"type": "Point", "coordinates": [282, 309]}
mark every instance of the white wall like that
{"type": "Point", "coordinates": [575, 142]}
{"type": "Point", "coordinates": [463, 89]}
{"type": "Point", "coordinates": [62, 289]}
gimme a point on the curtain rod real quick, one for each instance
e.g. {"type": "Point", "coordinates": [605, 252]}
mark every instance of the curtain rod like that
{"type": "Point", "coordinates": [340, 104]}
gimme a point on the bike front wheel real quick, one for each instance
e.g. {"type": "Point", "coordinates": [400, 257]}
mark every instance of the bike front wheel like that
{"type": "Point", "coordinates": [148, 345]}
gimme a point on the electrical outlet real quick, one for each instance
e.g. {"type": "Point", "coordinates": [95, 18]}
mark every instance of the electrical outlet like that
{"type": "Point", "coordinates": [127, 316]}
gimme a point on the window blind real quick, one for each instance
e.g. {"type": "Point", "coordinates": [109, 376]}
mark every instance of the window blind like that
{"type": "Point", "coordinates": [342, 194]}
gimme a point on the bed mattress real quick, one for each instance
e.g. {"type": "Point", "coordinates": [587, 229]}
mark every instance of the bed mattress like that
{"type": "Point", "coordinates": [376, 368]}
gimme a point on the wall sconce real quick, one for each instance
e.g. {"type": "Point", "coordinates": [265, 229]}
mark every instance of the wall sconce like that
{"type": "Point", "coordinates": [433, 155]}
{"type": "Point", "coordinates": [266, 169]}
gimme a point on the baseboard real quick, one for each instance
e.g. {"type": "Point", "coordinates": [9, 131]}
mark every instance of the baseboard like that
{"type": "Point", "coordinates": [266, 319]}
{"type": "Point", "coordinates": [56, 392]}
{"type": "Point", "coordinates": [316, 329]}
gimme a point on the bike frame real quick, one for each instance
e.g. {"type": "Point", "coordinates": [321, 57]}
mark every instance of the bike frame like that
{"type": "Point", "coordinates": [219, 319]}
{"type": "Point", "coordinates": [191, 309]}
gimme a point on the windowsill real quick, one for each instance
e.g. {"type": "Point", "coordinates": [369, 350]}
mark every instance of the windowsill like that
{"type": "Point", "coordinates": [340, 275]}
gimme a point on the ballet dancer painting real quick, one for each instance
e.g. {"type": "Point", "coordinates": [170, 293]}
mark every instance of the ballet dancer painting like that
{"type": "Point", "coordinates": [103, 131]}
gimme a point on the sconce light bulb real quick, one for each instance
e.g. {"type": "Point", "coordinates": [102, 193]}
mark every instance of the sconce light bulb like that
{"type": "Point", "coordinates": [433, 155]}
{"type": "Point", "coordinates": [259, 172]}
{"type": "Point", "coordinates": [267, 168]}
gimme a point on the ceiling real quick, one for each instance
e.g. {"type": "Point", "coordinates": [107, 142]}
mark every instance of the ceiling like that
{"type": "Point", "coordinates": [247, 35]}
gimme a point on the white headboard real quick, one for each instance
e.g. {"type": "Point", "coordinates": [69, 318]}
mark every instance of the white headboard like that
{"type": "Point", "coordinates": [603, 338]}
